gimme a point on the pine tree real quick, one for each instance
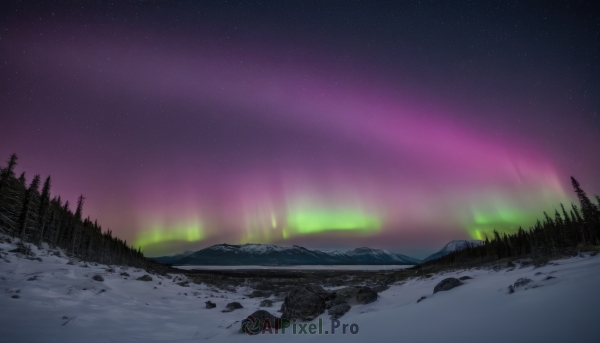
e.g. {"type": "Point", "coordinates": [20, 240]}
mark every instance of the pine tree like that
{"type": "Point", "coordinates": [9, 171]}
{"type": "Point", "coordinates": [590, 214]}
{"type": "Point", "coordinates": [28, 205]}
{"type": "Point", "coordinates": [77, 221]}
{"type": "Point", "coordinates": [43, 211]}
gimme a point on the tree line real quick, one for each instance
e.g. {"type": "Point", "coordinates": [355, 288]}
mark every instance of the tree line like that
{"type": "Point", "coordinates": [570, 230]}
{"type": "Point", "coordinates": [35, 216]}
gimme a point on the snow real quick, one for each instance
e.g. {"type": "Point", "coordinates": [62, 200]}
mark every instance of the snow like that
{"type": "Point", "coordinates": [63, 304]}
{"type": "Point", "coordinates": [261, 248]}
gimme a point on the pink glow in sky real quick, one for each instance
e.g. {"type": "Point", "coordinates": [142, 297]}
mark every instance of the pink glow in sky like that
{"type": "Point", "coordinates": [180, 142]}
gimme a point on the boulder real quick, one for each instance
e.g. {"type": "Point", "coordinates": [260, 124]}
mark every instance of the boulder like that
{"type": "Point", "coordinates": [365, 295]}
{"type": "Point", "coordinates": [124, 274]}
{"type": "Point", "coordinates": [98, 278]}
{"type": "Point", "coordinates": [210, 304]}
{"type": "Point", "coordinates": [335, 301]}
{"type": "Point", "coordinates": [446, 285]}
{"type": "Point", "coordinates": [346, 293]}
{"type": "Point", "coordinates": [466, 277]}
{"type": "Point", "coordinates": [338, 310]}
{"type": "Point", "coordinates": [522, 282]}
{"type": "Point", "coordinates": [261, 315]}
{"type": "Point", "coordinates": [305, 302]}
{"type": "Point", "coordinates": [266, 303]}
{"type": "Point", "coordinates": [232, 306]}
{"type": "Point", "coordinates": [145, 278]}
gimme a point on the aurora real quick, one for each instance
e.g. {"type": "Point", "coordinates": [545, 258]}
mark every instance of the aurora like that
{"type": "Point", "coordinates": [183, 134]}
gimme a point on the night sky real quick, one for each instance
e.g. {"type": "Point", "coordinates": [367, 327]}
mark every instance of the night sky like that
{"type": "Point", "coordinates": [328, 124]}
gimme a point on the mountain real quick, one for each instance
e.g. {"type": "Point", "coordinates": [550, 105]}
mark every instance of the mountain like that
{"type": "Point", "coordinates": [172, 258]}
{"type": "Point", "coordinates": [452, 247]}
{"type": "Point", "coordinates": [267, 254]}
{"type": "Point", "coordinates": [379, 256]}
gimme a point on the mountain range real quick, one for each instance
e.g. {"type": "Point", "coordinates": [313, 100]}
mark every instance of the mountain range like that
{"type": "Point", "coordinates": [267, 254]}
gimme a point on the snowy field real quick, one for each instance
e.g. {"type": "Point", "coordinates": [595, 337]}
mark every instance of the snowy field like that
{"type": "Point", "coordinates": [308, 267]}
{"type": "Point", "coordinates": [58, 302]}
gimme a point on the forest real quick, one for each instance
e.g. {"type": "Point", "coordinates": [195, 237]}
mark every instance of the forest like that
{"type": "Point", "coordinates": [570, 231]}
{"type": "Point", "coordinates": [35, 216]}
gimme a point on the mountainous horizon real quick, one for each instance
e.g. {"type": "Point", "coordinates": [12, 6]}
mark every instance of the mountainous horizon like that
{"type": "Point", "coordinates": [269, 254]}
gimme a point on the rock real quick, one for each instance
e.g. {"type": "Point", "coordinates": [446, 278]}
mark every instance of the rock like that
{"type": "Point", "coordinates": [338, 310]}
{"type": "Point", "coordinates": [421, 299]}
{"type": "Point", "coordinates": [210, 304]}
{"type": "Point", "coordinates": [346, 293]}
{"type": "Point", "coordinates": [261, 315]}
{"type": "Point", "coordinates": [511, 289]}
{"type": "Point", "coordinates": [260, 294]}
{"type": "Point", "coordinates": [465, 278]}
{"type": "Point", "coordinates": [522, 282]}
{"type": "Point", "coordinates": [15, 296]}
{"type": "Point", "coordinates": [124, 274]}
{"type": "Point", "coordinates": [23, 249]}
{"type": "Point", "coordinates": [446, 285]}
{"type": "Point", "coordinates": [33, 278]}
{"type": "Point", "coordinates": [145, 278]}
{"type": "Point", "coordinates": [232, 306]}
{"type": "Point", "coordinates": [184, 284]}
{"type": "Point", "coordinates": [110, 270]}
{"type": "Point", "coordinates": [98, 278]}
{"type": "Point", "coordinates": [538, 273]}
{"type": "Point", "coordinates": [266, 303]}
{"type": "Point", "coordinates": [305, 302]}
{"type": "Point", "coordinates": [336, 301]}
{"type": "Point", "coordinates": [365, 295]}
{"type": "Point", "coordinates": [549, 278]}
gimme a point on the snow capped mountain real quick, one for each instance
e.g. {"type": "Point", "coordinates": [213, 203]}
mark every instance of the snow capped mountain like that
{"type": "Point", "coordinates": [452, 247]}
{"type": "Point", "coordinates": [267, 254]}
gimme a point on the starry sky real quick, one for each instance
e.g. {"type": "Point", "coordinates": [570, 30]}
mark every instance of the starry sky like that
{"type": "Point", "coordinates": [327, 124]}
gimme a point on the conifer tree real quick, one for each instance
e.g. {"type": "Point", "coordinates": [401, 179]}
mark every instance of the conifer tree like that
{"type": "Point", "coordinates": [9, 171]}
{"type": "Point", "coordinates": [43, 210]}
{"type": "Point", "coordinates": [27, 211]}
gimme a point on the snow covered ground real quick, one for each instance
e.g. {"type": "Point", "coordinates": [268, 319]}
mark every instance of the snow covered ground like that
{"type": "Point", "coordinates": [58, 302]}
{"type": "Point", "coordinates": [311, 267]}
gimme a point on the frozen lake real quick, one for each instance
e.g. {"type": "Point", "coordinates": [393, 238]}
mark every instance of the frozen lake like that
{"type": "Point", "coordinates": [302, 267]}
